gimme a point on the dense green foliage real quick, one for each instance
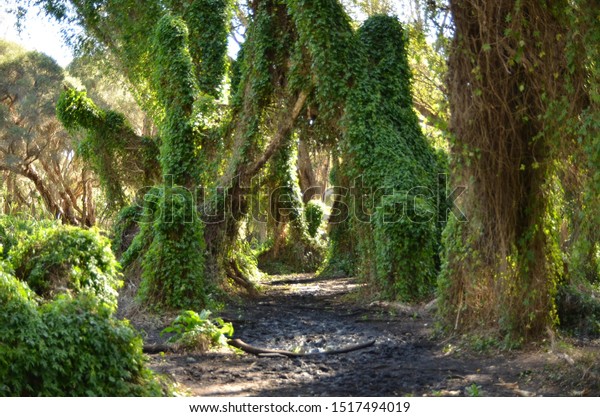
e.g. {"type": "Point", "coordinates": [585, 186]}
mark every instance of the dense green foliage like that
{"type": "Point", "coordinates": [53, 259]}
{"type": "Point", "coordinates": [20, 326]}
{"type": "Point", "coordinates": [67, 345]}
{"type": "Point", "coordinates": [207, 21]}
{"type": "Point", "coordinates": [395, 206]}
{"type": "Point", "coordinates": [57, 259]}
{"type": "Point", "coordinates": [177, 91]}
{"type": "Point", "coordinates": [89, 353]}
{"type": "Point", "coordinates": [325, 31]}
{"type": "Point", "coordinates": [173, 262]}
{"type": "Point", "coordinates": [15, 229]}
{"type": "Point", "coordinates": [313, 215]}
{"type": "Point", "coordinates": [525, 145]}
{"type": "Point", "coordinates": [198, 331]}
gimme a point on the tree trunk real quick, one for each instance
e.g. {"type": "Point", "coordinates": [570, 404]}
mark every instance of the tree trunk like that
{"type": "Point", "coordinates": [306, 173]}
{"type": "Point", "coordinates": [52, 205]}
{"type": "Point", "coordinates": [502, 266]}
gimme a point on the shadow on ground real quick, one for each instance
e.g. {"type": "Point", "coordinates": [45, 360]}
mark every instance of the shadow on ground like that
{"type": "Point", "coordinates": [299, 312]}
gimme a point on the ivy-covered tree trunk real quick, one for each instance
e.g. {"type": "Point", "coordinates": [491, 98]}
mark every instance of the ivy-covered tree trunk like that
{"type": "Point", "coordinates": [175, 78]}
{"type": "Point", "coordinates": [392, 168]}
{"type": "Point", "coordinates": [293, 246]}
{"type": "Point", "coordinates": [173, 266]}
{"type": "Point", "coordinates": [509, 81]}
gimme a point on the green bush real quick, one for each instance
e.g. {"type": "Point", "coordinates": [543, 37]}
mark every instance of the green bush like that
{"type": "Point", "coordinates": [15, 229]}
{"type": "Point", "coordinates": [20, 336]}
{"type": "Point", "coordinates": [198, 331]}
{"type": "Point", "coordinates": [60, 259]}
{"type": "Point", "coordinates": [67, 347]}
{"type": "Point", "coordinates": [90, 353]}
{"type": "Point", "coordinates": [313, 212]}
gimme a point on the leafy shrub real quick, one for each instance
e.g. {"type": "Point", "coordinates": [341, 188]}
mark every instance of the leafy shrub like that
{"type": "Point", "coordinates": [90, 353]}
{"type": "Point", "coordinates": [195, 331]}
{"type": "Point", "coordinates": [15, 229]}
{"type": "Point", "coordinates": [65, 258]}
{"type": "Point", "coordinates": [313, 212]}
{"type": "Point", "coordinates": [67, 347]}
{"type": "Point", "coordinates": [20, 330]}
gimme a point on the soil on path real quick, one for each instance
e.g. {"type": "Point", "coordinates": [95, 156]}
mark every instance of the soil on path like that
{"type": "Point", "coordinates": [299, 312]}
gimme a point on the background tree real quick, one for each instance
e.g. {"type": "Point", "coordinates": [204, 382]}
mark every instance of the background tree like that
{"type": "Point", "coordinates": [37, 155]}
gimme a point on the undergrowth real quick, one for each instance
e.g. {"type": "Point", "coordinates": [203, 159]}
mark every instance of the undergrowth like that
{"type": "Point", "coordinates": [198, 331]}
{"type": "Point", "coordinates": [58, 335]}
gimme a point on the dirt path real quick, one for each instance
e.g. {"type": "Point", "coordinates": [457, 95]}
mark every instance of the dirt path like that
{"type": "Point", "coordinates": [300, 312]}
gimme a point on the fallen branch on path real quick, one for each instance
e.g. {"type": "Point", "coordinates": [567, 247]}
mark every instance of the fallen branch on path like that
{"type": "Point", "coordinates": [240, 344]}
